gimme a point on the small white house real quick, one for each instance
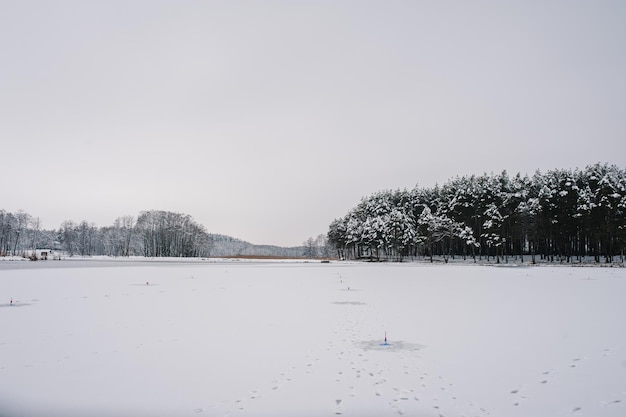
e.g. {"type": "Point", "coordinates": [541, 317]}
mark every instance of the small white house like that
{"type": "Point", "coordinates": [43, 254]}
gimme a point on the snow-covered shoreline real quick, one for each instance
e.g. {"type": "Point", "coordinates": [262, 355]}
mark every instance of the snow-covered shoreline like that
{"type": "Point", "coordinates": [513, 262]}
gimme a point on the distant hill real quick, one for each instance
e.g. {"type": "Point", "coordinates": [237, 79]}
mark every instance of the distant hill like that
{"type": "Point", "coordinates": [222, 245]}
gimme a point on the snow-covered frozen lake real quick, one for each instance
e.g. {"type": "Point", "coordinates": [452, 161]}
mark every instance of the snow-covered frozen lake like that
{"type": "Point", "coordinates": [307, 339]}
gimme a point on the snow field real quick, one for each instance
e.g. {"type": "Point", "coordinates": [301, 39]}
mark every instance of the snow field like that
{"type": "Point", "coordinates": [305, 340]}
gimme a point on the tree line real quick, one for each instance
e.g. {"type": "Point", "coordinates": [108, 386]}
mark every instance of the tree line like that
{"type": "Point", "coordinates": [153, 233]}
{"type": "Point", "coordinates": [561, 215]}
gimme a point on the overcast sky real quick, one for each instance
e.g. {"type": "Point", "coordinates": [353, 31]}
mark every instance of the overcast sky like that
{"type": "Point", "coordinates": [265, 120]}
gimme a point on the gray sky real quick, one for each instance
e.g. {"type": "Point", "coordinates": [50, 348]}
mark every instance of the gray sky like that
{"type": "Point", "coordinates": [265, 120]}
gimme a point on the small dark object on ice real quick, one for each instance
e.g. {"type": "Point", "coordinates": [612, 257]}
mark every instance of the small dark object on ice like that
{"type": "Point", "coordinates": [385, 344]}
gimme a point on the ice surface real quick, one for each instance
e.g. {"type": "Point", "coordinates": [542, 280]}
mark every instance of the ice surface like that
{"type": "Point", "coordinates": [287, 339]}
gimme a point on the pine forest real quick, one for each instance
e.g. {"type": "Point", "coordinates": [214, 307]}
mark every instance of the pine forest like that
{"type": "Point", "coordinates": [561, 215]}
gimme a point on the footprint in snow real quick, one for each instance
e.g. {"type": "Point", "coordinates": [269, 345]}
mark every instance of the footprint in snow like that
{"type": "Point", "coordinates": [573, 365]}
